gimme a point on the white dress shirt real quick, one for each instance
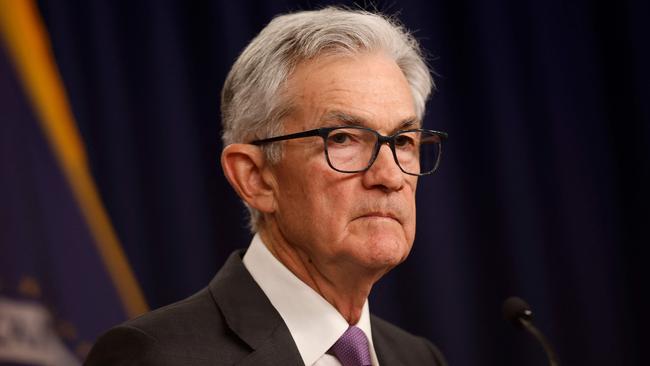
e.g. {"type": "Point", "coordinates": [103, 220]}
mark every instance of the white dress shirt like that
{"type": "Point", "coordinates": [314, 323]}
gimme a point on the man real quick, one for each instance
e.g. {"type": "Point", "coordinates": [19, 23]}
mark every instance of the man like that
{"type": "Point", "coordinates": [321, 118]}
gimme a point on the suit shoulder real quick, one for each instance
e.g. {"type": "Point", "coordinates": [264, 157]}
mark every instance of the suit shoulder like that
{"type": "Point", "coordinates": [404, 345]}
{"type": "Point", "coordinates": [134, 346]}
{"type": "Point", "coordinates": [191, 315]}
{"type": "Point", "coordinates": [189, 332]}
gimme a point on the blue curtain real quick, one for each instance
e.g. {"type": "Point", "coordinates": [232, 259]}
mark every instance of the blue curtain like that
{"type": "Point", "coordinates": [542, 191]}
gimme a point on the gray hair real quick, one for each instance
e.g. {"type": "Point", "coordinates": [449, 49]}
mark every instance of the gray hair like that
{"type": "Point", "coordinates": [253, 101]}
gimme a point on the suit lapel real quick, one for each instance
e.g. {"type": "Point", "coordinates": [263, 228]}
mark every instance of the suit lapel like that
{"type": "Point", "coordinates": [383, 347]}
{"type": "Point", "coordinates": [279, 349]}
{"type": "Point", "coordinates": [249, 313]}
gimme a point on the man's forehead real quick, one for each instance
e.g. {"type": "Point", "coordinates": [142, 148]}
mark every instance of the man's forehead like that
{"type": "Point", "coordinates": [368, 90]}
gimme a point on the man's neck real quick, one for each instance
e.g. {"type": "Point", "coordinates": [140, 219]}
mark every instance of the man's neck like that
{"type": "Point", "coordinates": [345, 287]}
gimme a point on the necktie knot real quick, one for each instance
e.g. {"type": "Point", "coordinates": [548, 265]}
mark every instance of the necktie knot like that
{"type": "Point", "coordinates": [352, 348]}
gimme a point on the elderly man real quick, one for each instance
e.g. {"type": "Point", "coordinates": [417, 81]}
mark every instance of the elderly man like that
{"type": "Point", "coordinates": [323, 142]}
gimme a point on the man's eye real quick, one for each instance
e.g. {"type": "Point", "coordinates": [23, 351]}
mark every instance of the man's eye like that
{"type": "Point", "coordinates": [403, 140]}
{"type": "Point", "coordinates": [340, 138]}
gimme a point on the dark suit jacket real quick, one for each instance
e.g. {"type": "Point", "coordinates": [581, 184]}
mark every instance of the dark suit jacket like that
{"type": "Point", "coordinates": [232, 322]}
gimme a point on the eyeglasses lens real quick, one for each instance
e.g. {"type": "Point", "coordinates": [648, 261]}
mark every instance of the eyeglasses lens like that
{"type": "Point", "coordinates": [352, 149]}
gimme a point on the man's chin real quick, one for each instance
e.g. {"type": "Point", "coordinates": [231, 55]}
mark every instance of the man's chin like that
{"type": "Point", "coordinates": [386, 251]}
{"type": "Point", "coordinates": [379, 243]}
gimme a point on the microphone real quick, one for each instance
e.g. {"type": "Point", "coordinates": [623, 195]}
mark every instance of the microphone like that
{"type": "Point", "coordinates": [517, 312]}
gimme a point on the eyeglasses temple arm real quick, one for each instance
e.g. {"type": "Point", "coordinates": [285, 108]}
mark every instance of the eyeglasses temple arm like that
{"type": "Point", "coordinates": [308, 133]}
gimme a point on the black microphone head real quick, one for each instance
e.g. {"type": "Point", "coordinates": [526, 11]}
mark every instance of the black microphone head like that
{"type": "Point", "coordinates": [515, 309]}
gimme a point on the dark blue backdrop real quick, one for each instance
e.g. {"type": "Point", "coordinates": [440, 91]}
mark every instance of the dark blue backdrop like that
{"type": "Point", "coordinates": [542, 192]}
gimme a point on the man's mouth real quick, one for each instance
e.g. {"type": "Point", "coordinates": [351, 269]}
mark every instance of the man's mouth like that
{"type": "Point", "coordinates": [380, 215]}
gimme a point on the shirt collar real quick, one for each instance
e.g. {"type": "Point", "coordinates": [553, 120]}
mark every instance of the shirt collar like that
{"type": "Point", "coordinates": [314, 323]}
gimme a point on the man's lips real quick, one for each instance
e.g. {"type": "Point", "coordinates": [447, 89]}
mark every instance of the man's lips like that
{"type": "Point", "coordinates": [380, 215]}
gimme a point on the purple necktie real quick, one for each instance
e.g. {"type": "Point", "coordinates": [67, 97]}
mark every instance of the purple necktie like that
{"type": "Point", "coordinates": [352, 348]}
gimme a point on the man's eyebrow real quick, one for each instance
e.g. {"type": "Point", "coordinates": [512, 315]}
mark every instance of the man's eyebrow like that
{"type": "Point", "coordinates": [345, 118]}
{"type": "Point", "coordinates": [409, 124]}
{"type": "Point", "coordinates": [338, 117]}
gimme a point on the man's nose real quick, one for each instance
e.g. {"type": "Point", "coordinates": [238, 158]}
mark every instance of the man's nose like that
{"type": "Point", "coordinates": [384, 171]}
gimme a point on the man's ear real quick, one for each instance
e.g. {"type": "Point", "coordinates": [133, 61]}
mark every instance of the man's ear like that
{"type": "Point", "coordinates": [244, 165]}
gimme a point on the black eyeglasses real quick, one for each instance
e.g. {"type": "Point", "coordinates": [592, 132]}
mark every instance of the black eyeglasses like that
{"type": "Point", "coordinates": [353, 149]}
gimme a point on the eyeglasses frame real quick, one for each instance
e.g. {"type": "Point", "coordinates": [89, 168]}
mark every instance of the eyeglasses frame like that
{"type": "Point", "coordinates": [324, 133]}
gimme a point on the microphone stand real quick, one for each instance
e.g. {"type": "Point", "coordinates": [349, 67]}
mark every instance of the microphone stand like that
{"type": "Point", "coordinates": [518, 313]}
{"type": "Point", "coordinates": [552, 357]}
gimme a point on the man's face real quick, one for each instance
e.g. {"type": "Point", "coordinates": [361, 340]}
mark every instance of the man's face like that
{"type": "Point", "coordinates": [364, 219]}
